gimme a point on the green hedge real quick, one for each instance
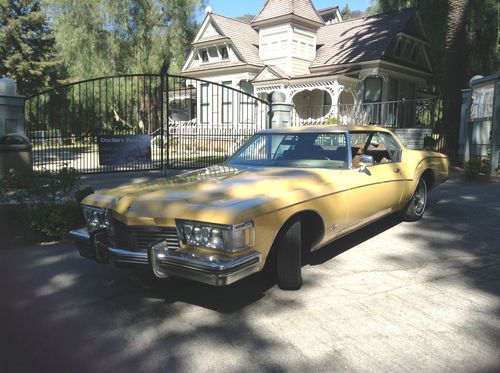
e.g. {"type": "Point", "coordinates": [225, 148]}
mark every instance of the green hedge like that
{"type": "Point", "coordinates": [46, 203]}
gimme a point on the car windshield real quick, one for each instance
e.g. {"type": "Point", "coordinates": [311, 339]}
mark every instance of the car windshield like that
{"type": "Point", "coordinates": [307, 150]}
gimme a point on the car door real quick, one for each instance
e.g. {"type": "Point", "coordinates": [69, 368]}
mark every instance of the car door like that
{"type": "Point", "coordinates": [375, 190]}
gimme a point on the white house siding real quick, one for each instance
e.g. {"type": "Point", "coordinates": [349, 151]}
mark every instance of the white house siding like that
{"type": "Point", "coordinates": [210, 31]}
{"type": "Point", "coordinates": [303, 44]}
{"type": "Point", "coordinates": [218, 111]}
{"type": "Point", "coordinates": [290, 48]}
{"type": "Point", "coordinates": [300, 66]}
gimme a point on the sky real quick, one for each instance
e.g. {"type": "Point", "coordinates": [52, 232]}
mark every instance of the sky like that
{"type": "Point", "coordinates": [234, 8]}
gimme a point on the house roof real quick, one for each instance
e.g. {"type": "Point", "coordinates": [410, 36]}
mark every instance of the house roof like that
{"type": "Point", "coordinates": [351, 41]}
{"type": "Point", "coordinates": [243, 36]}
{"type": "Point", "coordinates": [327, 10]}
{"type": "Point", "coordinates": [278, 8]}
{"type": "Point", "coordinates": [361, 39]}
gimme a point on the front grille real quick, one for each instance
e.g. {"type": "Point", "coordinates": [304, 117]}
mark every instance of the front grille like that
{"type": "Point", "coordinates": [140, 238]}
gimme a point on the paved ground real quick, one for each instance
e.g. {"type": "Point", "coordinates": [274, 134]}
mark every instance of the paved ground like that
{"type": "Point", "coordinates": [393, 297]}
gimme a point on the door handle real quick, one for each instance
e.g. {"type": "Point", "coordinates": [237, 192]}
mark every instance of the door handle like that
{"type": "Point", "coordinates": [396, 170]}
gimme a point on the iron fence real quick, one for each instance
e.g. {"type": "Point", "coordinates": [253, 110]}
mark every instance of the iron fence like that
{"type": "Point", "coordinates": [140, 122]}
{"type": "Point", "coordinates": [403, 114]}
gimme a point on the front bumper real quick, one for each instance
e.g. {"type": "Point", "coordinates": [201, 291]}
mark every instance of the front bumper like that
{"type": "Point", "coordinates": [210, 269]}
{"type": "Point", "coordinates": [218, 270]}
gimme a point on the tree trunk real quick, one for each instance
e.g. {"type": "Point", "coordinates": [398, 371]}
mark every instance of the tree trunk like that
{"type": "Point", "coordinates": [455, 69]}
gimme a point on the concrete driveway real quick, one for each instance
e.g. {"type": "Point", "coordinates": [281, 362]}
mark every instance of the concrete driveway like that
{"type": "Point", "coordinates": [393, 297]}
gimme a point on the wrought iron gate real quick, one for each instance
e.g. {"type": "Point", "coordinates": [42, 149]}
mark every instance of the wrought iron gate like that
{"type": "Point", "coordinates": [140, 122]}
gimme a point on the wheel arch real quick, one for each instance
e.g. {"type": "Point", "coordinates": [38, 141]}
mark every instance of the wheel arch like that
{"type": "Point", "coordinates": [312, 228]}
{"type": "Point", "coordinates": [429, 178]}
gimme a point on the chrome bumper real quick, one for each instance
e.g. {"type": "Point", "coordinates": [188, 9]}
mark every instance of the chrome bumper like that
{"type": "Point", "coordinates": [218, 270]}
{"type": "Point", "coordinates": [210, 269]}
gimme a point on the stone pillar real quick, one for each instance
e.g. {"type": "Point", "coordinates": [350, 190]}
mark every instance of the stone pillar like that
{"type": "Point", "coordinates": [281, 112]}
{"type": "Point", "coordinates": [11, 109]}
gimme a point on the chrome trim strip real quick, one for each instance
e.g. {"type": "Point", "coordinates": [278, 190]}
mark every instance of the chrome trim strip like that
{"type": "Point", "coordinates": [127, 254]}
{"type": "Point", "coordinates": [189, 259]}
{"type": "Point", "coordinates": [80, 234]}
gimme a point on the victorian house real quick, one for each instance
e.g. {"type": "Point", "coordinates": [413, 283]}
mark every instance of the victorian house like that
{"type": "Point", "coordinates": [323, 65]}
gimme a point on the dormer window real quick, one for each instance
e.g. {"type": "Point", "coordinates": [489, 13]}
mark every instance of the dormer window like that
{"type": "Point", "coordinates": [224, 53]}
{"type": "Point", "coordinates": [204, 56]}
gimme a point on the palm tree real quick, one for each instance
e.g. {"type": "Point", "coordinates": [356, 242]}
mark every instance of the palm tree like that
{"type": "Point", "coordinates": [455, 71]}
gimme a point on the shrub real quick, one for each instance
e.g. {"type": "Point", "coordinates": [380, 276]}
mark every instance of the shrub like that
{"type": "Point", "coordinates": [472, 168]}
{"type": "Point", "coordinates": [47, 202]}
{"type": "Point", "coordinates": [332, 120]}
{"type": "Point", "coordinates": [50, 220]}
{"type": "Point", "coordinates": [82, 193]}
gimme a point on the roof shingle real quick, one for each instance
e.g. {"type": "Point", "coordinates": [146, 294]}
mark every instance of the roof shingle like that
{"type": "Point", "coordinates": [278, 8]}
{"type": "Point", "coordinates": [359, 39]}
{"type": "Point", "coordinates": [244, 37]}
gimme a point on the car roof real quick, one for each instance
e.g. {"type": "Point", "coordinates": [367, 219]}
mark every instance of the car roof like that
{"type": "Point", "coordinates": [324, 128]}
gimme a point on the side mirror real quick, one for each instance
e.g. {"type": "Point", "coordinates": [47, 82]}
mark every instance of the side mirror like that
{"type": "Point", "coordinates": [366, 160]}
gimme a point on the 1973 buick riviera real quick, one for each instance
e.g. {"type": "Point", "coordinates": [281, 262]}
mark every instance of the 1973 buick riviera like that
{"type": "Point", "coordinates": [284, 193]}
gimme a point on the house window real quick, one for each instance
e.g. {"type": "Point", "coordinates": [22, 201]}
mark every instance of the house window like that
{"type": "Point", "coordinates": [393, 90]}
{"type": "Point", "coordinates": [205, 103]}
{"type": "Point", "coordinates": [247, 110]}
{"type": "Point", "coordinates": [204, 56]}
{"type": "Point", "coordinates": [224, 53]}
{"type": "Point", "coordinates": [372, 98]}
{"type": "Point", "coordinates": [227, 103]}
{"type": "Point", "coordinates": [373, 90]}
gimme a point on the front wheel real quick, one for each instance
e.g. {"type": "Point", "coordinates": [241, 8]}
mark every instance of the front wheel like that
{"type": "Point", "coordinates": [415, 208]}
{"type": "Point", "coordinates": [288, 259]}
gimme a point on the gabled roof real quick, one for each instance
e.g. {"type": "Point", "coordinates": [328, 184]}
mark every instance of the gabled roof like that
{"type": "Point", "coordinates": [243, 36]}
{"type": "Point", "coordinates": [270, 72]}
{"type": "Point", "coordinates": [278, 8]}
{"type": "Point", "coordinates": [361, 39]}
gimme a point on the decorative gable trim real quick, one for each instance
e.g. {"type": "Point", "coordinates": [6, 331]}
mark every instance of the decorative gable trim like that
{"type": "Point", "coordinates": [208, 24]}
{"type": "Point", "coordinates": [270, 73]}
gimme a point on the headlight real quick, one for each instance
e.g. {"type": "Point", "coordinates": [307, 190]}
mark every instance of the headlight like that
{"type": "Point", "coordinates": [96, 218]}
{"type": "Point", "coordinates": [229, 238]}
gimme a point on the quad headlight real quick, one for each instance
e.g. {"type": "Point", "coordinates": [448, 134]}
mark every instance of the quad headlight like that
{"type": "Point", "coordinates": [228, 238]}
{"type": "Point", "coordinates": [96, 218]}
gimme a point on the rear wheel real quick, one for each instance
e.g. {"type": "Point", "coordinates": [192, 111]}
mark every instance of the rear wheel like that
{"type": "Point", "coordinates": [415, 208]}
{"type": "Point", "coordinates": [288, 259]}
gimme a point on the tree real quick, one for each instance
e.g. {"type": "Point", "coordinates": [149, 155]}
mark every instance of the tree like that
{"type": "Point", "coordinates": [346, 12]}
{"type": "Point", "coordinates": [27, 52]}
{"type": "Point", "coordinates": [246, 18]}
{"type": "Point", "coordinates": [463, 43]}
{"type": "Point", "coordinates": [98, 38]}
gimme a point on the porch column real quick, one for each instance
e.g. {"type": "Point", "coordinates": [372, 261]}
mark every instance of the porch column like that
{"type": "Point", "coordinates": [335, 90]}
{"type": "Point", "coordinates": [281, 112]}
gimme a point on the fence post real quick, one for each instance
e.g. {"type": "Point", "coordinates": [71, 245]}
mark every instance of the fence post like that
{"type": "Point", "coordinates": [164, 101]}
{"type": "Point", "coordinates": [464, 140]}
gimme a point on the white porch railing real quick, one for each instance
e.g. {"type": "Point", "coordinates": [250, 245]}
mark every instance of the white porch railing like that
{"type": "Point", "coordinates": [398, 114]}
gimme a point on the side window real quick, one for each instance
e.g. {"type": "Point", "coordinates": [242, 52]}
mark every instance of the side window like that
{"type": "Point", "coordinates": [287, 144]}
{"type": "Point", "coordinates": [383, 148]}
{"type": "Point", "coordinates": [392, 146]}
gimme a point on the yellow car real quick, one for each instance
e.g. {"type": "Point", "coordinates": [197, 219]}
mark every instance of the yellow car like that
{"type": "Point", "coordinates": [284, 193]}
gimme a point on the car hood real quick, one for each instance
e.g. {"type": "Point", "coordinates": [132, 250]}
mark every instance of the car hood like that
{"type": "Point", "coordinates": [221, 194]}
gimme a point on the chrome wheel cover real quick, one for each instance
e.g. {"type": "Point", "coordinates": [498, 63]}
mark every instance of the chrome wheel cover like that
{"type": "Point", "coordinates": [420, 198]}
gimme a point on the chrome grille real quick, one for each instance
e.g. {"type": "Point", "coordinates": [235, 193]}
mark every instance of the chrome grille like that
{"type": "Point", "coordinates": [140, 238]}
